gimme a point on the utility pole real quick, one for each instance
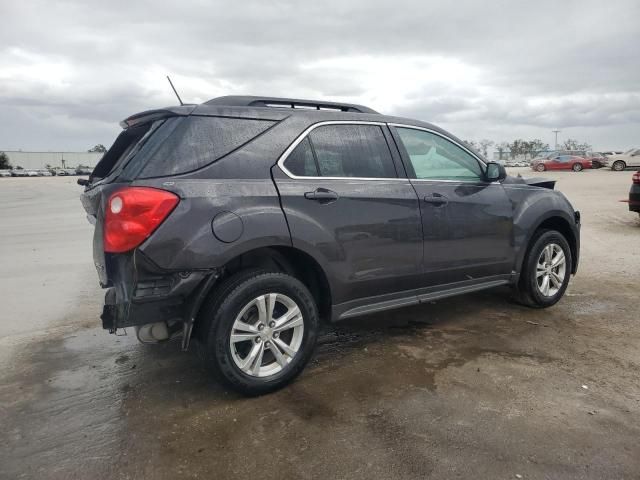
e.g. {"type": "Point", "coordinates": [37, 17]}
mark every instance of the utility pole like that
{"type": "Point", "coordinates": [556, 132]}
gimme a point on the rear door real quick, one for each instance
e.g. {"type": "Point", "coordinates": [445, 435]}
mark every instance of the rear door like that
{"type": "Point", "coordinates": [346, 204]}
{"type": "Point", "coordinates": [467, 221]}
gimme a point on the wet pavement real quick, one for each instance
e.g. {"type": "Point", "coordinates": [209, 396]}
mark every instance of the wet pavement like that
{"type": "Point", "coordinates": [468, 387]}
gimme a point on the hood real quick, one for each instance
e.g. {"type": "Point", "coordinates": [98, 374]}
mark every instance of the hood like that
{"type": "Point", "coordinates": [534, 182]}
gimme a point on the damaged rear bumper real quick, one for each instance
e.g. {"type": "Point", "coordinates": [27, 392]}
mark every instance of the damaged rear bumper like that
{"type": "Point", "coordinates": [140, 293]}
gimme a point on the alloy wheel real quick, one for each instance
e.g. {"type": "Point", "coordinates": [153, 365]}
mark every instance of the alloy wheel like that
{"type": "Point", "coordinates": [266, 335]}
{"type": "Point", "coordinates": [551, 270]}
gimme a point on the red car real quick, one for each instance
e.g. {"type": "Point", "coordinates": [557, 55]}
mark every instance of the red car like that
{"type": "Point", "coordinates": [560, 162]}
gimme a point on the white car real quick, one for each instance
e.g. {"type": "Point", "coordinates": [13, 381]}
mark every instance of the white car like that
{"type": "Point", "coordinates": [32, 173]}
{"type": "Point", "coordinates": [624, 160]}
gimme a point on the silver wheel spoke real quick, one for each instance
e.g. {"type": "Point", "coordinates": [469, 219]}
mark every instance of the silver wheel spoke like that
{"type": "Point", "coordinates": [242, 337]}
{"type": "Point", "coordinates": [271, 303]}
{"type": "Point", "coordinates": [258, 360]}
{"type": "Point", "coordinates": [278, 354]}
{"type": "Point", "coordinates": [558, 260]}
{"type": "Point", "coordinates": [293, 318]}
{"type": "Point", "coordinates": [540, 271]}
{"type": "Point", "coordinates": [284, 347]}
{"type": "Point", "coordinates": [556, 279]}
{"type": "Point", "coordinates": [544, 288]}
{"type": "Point", "coordinates": [261, 304]}
{"type": "Point", "coordinates": [250, 359]}
{"type": "Point", "coordinates": [245, 327]}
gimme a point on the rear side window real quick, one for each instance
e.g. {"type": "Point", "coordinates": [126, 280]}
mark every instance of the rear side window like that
{"type": "Point", "coordinates": [352, 151]}
{"type": "Point", "coordinates": [184, 144]}
{"type": "Point", "coordinates": [342, 151]}
{"type": "Point", "coordinates": [301, 161]}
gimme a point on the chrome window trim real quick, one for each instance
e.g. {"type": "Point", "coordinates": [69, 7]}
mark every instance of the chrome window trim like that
{"type": "Point", "coordinates": [309, 129]}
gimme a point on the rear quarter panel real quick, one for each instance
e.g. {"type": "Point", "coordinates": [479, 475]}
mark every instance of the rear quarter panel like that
{"type": "Point", "coordinates": [186, 240]}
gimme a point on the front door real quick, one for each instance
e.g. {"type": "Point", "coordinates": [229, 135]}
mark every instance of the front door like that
{"type": "Point", "coordinates": [346, 205]}
{"type": "Point", "coordinates": [467, 221]}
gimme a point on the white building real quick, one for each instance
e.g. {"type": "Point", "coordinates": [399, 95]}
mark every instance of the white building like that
{"type": "Point", "coordinates": [38, 160]}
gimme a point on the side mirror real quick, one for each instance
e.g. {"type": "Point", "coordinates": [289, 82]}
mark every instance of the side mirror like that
{"type": "Point", "coordinates": [495, 172]}
{"type": "Point", "coordinates": [83, 182]}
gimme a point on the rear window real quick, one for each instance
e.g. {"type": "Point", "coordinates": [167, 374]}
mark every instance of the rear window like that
{"type": "Point", "coordinates": [184, 144]}
{"type": "Point", "coordinates": [121, 149]}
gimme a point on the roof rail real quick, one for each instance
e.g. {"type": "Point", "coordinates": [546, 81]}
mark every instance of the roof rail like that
{"type": "Point", "coordinates": [275, 102]}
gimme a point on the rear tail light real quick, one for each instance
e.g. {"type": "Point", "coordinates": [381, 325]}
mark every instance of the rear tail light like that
{"type": "Point", "coordinates": [132, 215]}
{"type": "Point", "coordinates": [636, 177]}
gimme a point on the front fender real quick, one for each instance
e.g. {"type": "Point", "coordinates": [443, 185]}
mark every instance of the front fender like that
{"type": "Point", "coordinates": [533, 206]}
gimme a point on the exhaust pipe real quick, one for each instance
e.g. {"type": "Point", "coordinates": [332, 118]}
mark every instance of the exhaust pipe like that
{"type": "Point", "coordinates": [152, 332]}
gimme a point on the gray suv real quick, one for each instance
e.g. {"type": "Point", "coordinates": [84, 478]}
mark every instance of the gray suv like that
{"type": "Point", "coordinates": [244, 222]}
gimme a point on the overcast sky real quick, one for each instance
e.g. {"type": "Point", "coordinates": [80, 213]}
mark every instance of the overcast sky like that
{"type": "Point", "coordinates": [71, 70]}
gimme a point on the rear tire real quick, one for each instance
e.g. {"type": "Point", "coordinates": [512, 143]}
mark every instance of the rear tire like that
{"type": "Point", "coordinates": [577, 167]}
{"type": "Point", "coordinates": [242, 341]}
{"type": "Point", "coordinates": [618, 166]}
{"type": "Point", "coordinates": [541, 283]}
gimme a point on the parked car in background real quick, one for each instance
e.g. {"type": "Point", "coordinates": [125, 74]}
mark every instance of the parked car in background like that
{"type": "Point", "coordinates": [18, 173]}
{"type": "Point", "coordinates": [634, 193]}
{"type": "Point", "coordinates": [560, 162]}
{"type": "Point", "coordinates": [609, 153]}
{"type": "Point", "coordinates": [5, 173]}
{"type": "Point", "coordinates": [44, 173]}
{"type": "Point", "coordinates": [598, 160]}
{"type": "Point", "coordinates": [32, 173]}
{"type": "Point", "coordinates": [66, 172]}
{"type": "Point", "coordinates": [246, 220]}
{"type": "Point", "coordinates": [630, 158]}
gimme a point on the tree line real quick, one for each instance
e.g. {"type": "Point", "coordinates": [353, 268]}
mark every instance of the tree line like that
{"type": "Point", "coordinates": [524, 148]}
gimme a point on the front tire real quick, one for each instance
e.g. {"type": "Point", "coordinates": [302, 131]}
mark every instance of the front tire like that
{"type": "Point", "coordinates": [577, 167]}
{"type": "Point", "coordinates": [540, 167]}
{"type": "Point", "coordinates": [260, 336]}
{"type": "Point", "coordinates": [546, 270]}
{"type": "Point", "coordinates": [618, 166]}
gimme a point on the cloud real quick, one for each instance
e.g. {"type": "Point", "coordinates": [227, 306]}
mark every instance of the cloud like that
{"type": "Point", "coordinates": [71, 70]}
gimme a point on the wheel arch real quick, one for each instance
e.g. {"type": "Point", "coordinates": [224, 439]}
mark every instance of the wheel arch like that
{"type": "Point", "coordinates": [558, 222]}
{"type": "Point", "coordinates": [290, 260]}
{"type": "Point", "coordinates": [619, 160]}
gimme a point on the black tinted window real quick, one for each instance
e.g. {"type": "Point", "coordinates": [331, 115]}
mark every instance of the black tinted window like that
{"type": "Point", "coordinates": [352, 151]}
{"type": "Point", "coordinates": [300, 161]}
{"type": "Point", "coordinates": [186, 144]}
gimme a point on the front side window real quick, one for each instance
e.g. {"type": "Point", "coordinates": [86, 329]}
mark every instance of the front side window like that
{"type": "Point", "coordinates": [435, 158]}
{"type": "Point", "coordinates": [343, 151]}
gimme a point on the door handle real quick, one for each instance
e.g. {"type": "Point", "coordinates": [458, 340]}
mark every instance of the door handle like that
{"type": "Point", "coordinates": [322, 195]}
{"type": "Point", "coordinates": [437, 200]}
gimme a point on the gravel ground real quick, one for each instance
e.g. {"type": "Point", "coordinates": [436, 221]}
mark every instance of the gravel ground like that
{"type": "Point", "coordinates": [468, 387]}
